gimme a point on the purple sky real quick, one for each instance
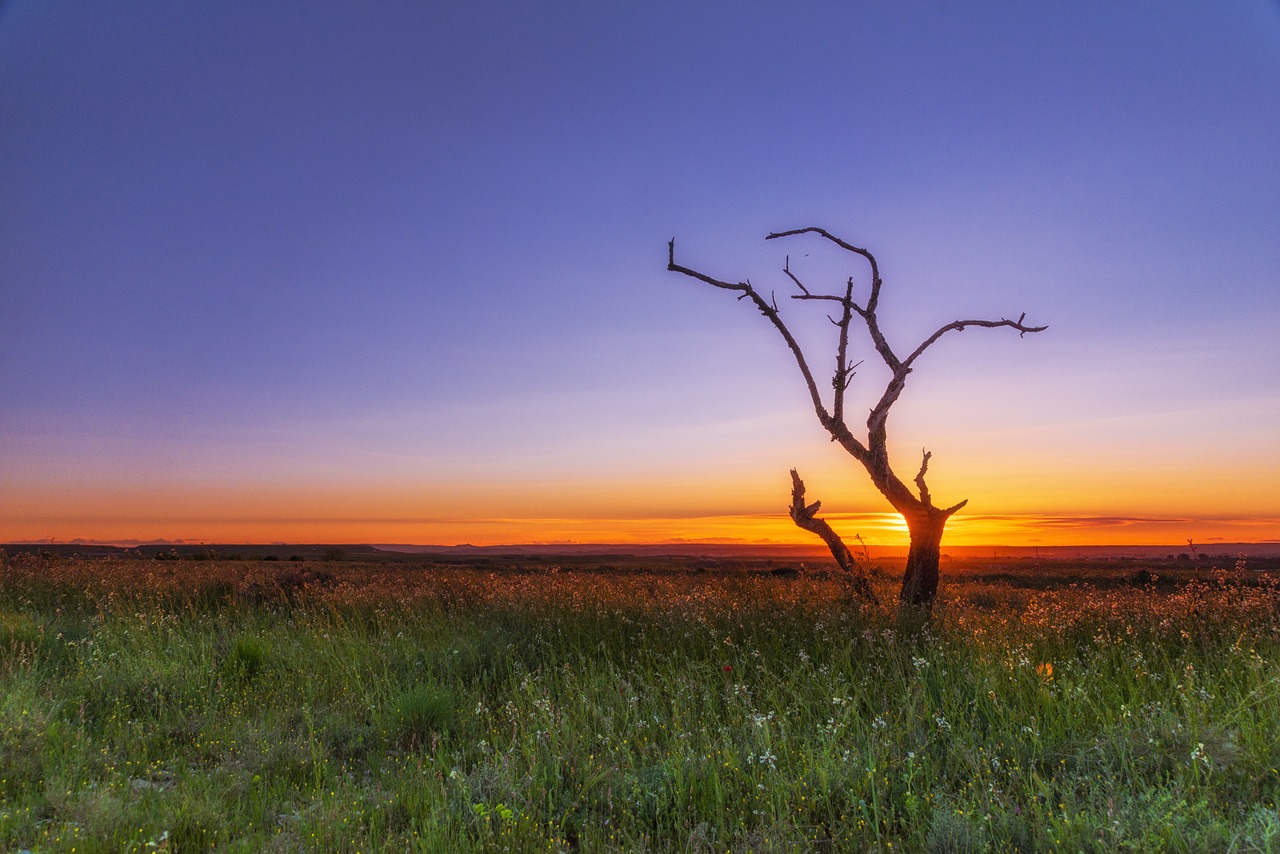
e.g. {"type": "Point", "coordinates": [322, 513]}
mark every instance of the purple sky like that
{"type": "Point", "coordinates": [269, 253]}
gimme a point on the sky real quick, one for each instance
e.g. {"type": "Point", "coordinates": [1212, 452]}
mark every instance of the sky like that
{"type": "Point", "coordinates": [396, 272]}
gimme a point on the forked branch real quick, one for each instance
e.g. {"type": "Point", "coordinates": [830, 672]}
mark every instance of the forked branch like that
{"type": "Point", "coordinates": [805, 516]}
{"type": "Point", "coordinates": [770, 310]}
{"type": "Point", "coordinates": [924, 467]}
{"type": "Point", "coordinates": [844, 370]}
{"type": "Point", "coordinates": [867, 312]}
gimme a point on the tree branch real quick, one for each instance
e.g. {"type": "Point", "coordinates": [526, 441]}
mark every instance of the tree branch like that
{"type": "Point", "coordinates": [835, 427]}
{"type": "Point", "coordinates": [924, 489]}
{"type": "Point", "coordinates": [959, 325]}
{"type": "Point", "coordinates": [857, 250]}
{"type": "Point", "coordinates": [868, 313]}
{"type": "Point", "coordinates": [805, 517]}
{"type": "Point", "coordinates": [844, 373]}
{"type": "Point", "coordinates": [786, 268]}
{"type": "Point", "coordinates": [877, 421]}
{"type": "Point", "coordinates": [924, 467]}
{"type": "Point", "coordinates": [828, 297]}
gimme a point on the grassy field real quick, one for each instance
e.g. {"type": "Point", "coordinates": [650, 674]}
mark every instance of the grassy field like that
{"type": "Point", "coordinates": [259, 706]}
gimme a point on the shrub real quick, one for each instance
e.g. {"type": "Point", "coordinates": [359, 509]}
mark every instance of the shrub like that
{"type": "Point", "coordinates": [423, 711]}
{"type": "Point", "coordinates": [247, 656]}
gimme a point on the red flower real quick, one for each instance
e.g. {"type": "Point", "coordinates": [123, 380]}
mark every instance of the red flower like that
{"type": "Point", "coordinates": [727, 668]}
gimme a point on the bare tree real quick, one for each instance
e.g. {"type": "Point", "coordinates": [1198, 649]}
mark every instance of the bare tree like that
{"type": "Point", "coordinates": [925, 521]}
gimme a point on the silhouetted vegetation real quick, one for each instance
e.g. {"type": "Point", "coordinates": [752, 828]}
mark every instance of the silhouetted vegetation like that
{"type": "Point", "coordinates": [925, 521]}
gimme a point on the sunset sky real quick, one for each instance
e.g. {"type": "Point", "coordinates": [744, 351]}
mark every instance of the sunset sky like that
{"type": "Point", "coordinates": [395, 272]}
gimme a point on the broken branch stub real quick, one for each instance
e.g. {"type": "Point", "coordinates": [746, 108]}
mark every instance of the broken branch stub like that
{"type": "Point", "coordinates": [804, 515]}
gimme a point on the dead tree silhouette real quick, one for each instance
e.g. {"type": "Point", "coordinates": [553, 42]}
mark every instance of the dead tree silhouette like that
{"type": "Point", "coordinates": [925, 521]}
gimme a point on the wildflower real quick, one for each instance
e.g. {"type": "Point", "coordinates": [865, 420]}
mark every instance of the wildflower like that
{"type": "Point", "coordinates": [727, 668]}
{"type": "Point", "coordinates": [1045, 671]}
{"type": "Point", "coordinates": [768, 757]}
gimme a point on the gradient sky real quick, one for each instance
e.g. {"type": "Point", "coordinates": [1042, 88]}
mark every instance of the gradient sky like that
{"type": "Point", "coordinates": [395, 272]}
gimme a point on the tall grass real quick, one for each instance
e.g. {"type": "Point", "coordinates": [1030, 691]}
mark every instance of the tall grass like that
{"type": "Point", "coordinates": [243, 707]}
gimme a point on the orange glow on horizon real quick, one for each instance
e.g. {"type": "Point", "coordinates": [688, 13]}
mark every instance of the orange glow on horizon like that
{"type": "Point", "coordinates": [1007, 507]}
{"type": "Point", "coordinates": [875, 529]}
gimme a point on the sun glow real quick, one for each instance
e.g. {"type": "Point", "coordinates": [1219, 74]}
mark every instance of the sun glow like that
{"type": "Point", "coordinates": [875, 530]}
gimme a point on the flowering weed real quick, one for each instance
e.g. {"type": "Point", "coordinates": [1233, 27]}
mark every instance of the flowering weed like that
{"type": "Point", "coordinates": [244, 706]}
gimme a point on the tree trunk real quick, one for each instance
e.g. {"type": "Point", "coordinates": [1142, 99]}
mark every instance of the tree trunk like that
{"type": "Point", "coordinates": [920, 583]}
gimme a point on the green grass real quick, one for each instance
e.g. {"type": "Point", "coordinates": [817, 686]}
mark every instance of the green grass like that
{"type": "Point", "coordinates": [241, 707]}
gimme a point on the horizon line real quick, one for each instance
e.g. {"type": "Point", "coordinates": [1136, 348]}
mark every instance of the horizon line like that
{"type": "Point", "coordinates": [664, 544]}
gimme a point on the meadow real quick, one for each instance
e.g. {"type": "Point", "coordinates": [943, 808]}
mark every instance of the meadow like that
{"type": "Point", "coordinates": [533, 706]}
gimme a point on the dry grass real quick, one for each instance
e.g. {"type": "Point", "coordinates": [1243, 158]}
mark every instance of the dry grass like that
{"type": "Point", "coordinates": [253, 706]}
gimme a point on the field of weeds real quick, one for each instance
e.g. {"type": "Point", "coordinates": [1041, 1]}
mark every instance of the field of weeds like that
{"type": "Point", "coordinates": [257, 706]}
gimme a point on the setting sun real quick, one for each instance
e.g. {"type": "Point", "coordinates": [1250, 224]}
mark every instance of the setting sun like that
{"type": "Point", "coordinates": [430, 302]}
{"type": "Point", "coordinates": [639, 427]}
